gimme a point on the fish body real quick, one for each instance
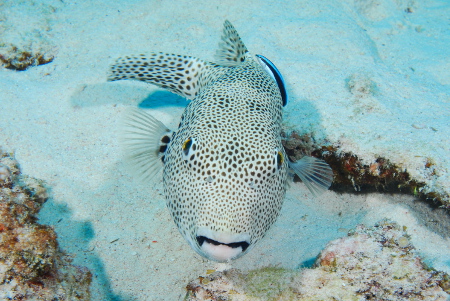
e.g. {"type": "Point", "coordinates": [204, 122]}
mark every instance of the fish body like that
{"type": "Point", "coordinates": [225, 170]}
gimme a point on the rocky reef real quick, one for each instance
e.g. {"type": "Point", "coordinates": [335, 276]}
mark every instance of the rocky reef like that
{"type": "Point", "coordinates": [32, 267]}
{"type": "Point", "coordinates": [377, 263]}
{"type": "Point", "coordinates": [351, 174]}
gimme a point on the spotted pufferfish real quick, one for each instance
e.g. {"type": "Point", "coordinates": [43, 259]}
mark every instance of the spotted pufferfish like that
{"type": "Point", "coordinates": [225, 170]}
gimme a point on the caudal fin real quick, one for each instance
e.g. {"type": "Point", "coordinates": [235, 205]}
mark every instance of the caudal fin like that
{"type": "Point", "coordinates": [180, 74]}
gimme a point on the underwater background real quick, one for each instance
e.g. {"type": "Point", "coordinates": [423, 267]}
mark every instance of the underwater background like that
{"type": "Point", "coordinates": [367, 79]}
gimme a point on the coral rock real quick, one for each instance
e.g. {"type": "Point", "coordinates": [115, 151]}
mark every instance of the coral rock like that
{"type": "Point", "coordinates": [376, 263]}
{"type": "Point", "coordinates": [371, 264]}
{"type": "Point", "coordinates": [351, 174]}
{"type": "Point", "coordinates": [19, 59]}
{"type": "Point", "coordinates": [32, 267]}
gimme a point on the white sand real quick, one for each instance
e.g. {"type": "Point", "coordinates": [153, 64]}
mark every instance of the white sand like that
{"type": "Point", "coordinates": [364, 74]}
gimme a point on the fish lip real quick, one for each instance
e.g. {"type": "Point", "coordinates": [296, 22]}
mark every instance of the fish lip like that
{"type": "Point", "coordinates": [221, 246]}
{"type": "Point", "coordinates": [240, 244]}
{"type": "Point", "coordinates": [223, 237]}
{"type": "Point", "coordinates": [221, 252]}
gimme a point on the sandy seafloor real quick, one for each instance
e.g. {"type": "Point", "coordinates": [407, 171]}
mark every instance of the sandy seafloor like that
{"type": "Point", "coordinates": [62, 121]}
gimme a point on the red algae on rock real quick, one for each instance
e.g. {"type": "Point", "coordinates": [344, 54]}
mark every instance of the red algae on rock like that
{"type": "Point", "coordinates": [32, 267]}
{"type": "Point", "coordinates": [377, 263]}
{"type": "Point", "coordinates": [353, 175]}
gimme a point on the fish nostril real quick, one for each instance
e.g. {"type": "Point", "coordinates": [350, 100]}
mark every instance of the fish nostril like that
{"type": "Point", "coordinates": [243, 244]}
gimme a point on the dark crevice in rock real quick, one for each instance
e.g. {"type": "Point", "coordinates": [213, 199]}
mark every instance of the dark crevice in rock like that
{"type": "Point", "coordinates": [352, 175]}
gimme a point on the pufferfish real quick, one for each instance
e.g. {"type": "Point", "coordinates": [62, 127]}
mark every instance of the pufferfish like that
{"type": "Point", "coordinates": [225, 171]}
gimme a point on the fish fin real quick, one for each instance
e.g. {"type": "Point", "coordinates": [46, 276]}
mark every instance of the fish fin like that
{"type": "Point", "coordinates": [145, 140]}
{"type": "Point", "coordinates": [232, 50]}
{"type": "Point", "coordinates": [315, 173]}
{"type": "Point", "coordinates": [180, 74]}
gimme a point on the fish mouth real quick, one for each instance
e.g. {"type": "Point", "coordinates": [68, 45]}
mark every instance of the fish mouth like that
{"type": "Point", "coordinates": [224, 246]}
{"type": "Point", "coordinates": [234, 245]}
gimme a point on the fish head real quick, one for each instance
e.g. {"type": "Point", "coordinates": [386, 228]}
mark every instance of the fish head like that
{"type": "Point", "coordinates": [225, 191]}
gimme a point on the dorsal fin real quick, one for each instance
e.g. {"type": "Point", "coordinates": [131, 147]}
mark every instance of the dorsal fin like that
{"type": "Point", "coordinates": [231, 50]}
{"type": "Point", "coordinates": [180, 74]}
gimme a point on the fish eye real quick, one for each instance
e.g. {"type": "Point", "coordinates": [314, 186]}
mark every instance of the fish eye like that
{"type": "Point", "coordinates": [280, 159]}
{"type": "Point", "coordinates": [187, 146]}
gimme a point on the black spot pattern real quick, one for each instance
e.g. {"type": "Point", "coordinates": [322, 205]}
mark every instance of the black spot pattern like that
{"type": "Point", "coordinates": [180, 74]}
{"type": "Point", "coordinates": [224, 168]}
{"type": "Point", "coordinates": [231, 179]}
{"type": "Point", "coordinates": [232, 50]}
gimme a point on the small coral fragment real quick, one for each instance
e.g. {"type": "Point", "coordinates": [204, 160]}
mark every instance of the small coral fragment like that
{"type": "Point", "coordinates": [5, 175]}
{"type": "Point", "coordinates": [403, 242]}
{"type": "Point", "coordinates": [19, 60]}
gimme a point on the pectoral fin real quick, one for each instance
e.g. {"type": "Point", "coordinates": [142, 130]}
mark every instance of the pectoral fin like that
{"type": "Point", "coordinates": [315, 173]}
{"type": "Point", "coordinates": [145, 139]}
